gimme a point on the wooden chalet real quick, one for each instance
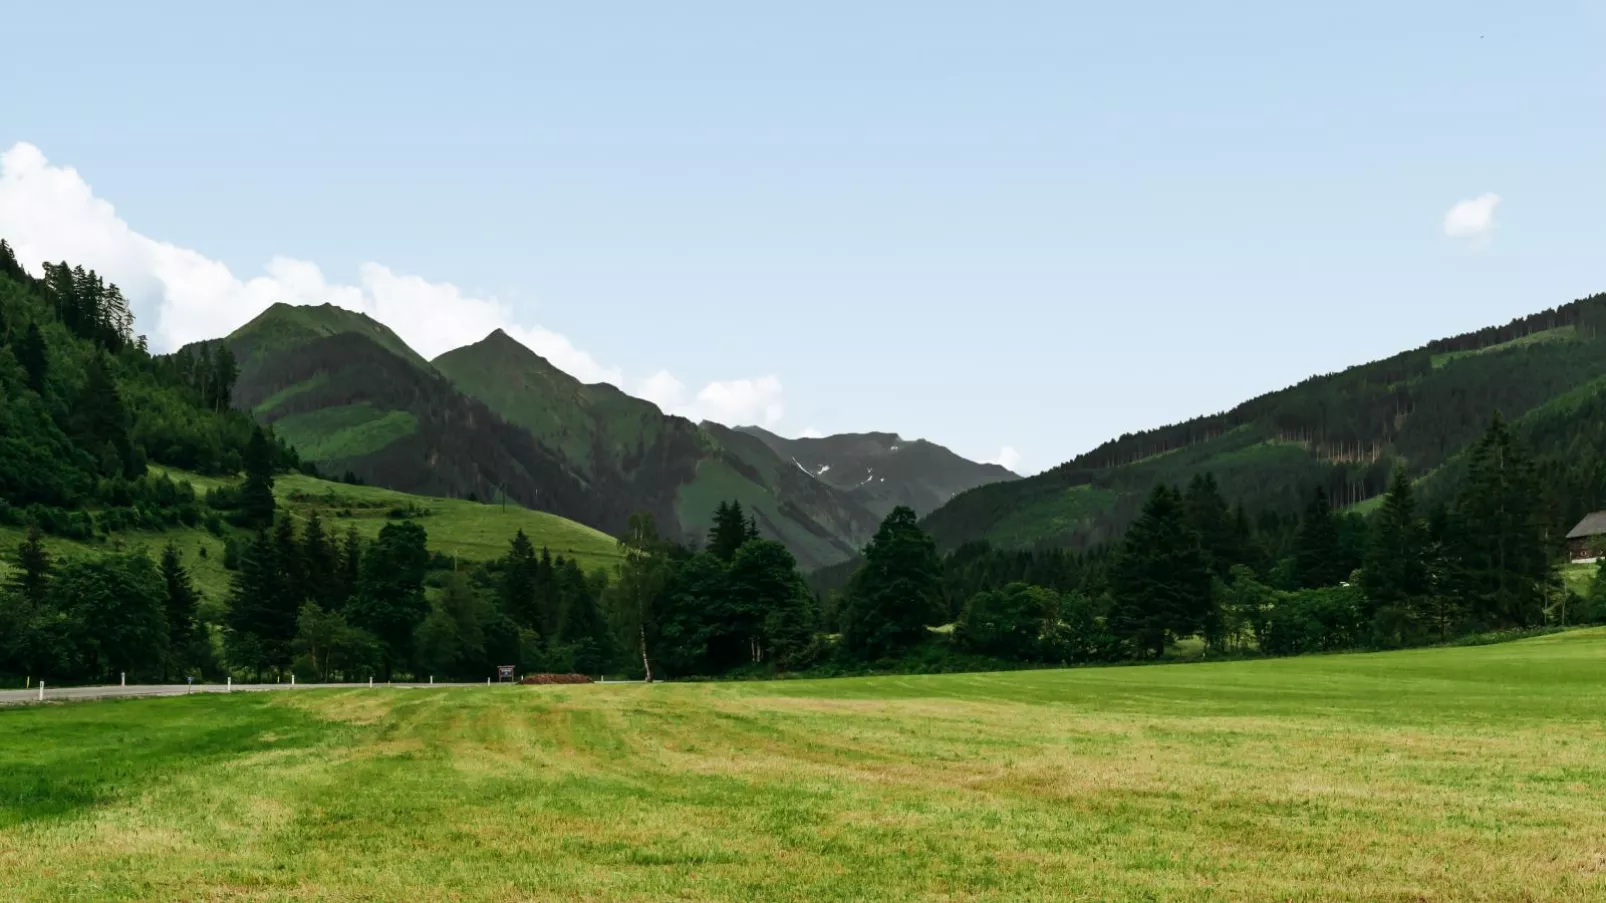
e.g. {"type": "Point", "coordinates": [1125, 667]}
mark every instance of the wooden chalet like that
{"type": "Point", "coordinates": [1586, 540]}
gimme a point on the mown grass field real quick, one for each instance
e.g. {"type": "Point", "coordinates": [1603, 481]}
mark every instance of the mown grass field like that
{"type": "Point", "coordinates": [1443, 774]}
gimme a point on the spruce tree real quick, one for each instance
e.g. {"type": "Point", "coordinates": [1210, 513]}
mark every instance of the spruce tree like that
{"type": "Point", "coordinates": [101, 421]}
{"type": "Point", "coordinates": [1395, 572]}
{"type": "Point", "coordinates": [549, 600]}
{"type": "Point", "coordinates": [390, 599]}
{"type": "Point", "coordinates": [259, 626]}
{"type": "Point", "coordinates": [182, 605]}
{"type": "Point", "coordinates": [1207, 514]}
{"type": "Point", "coordinates": [256, 492]}
{"type": "Point", "coordinates": [31, 581]}
{"type": "Point", "coordinates": [1500, 548]}
{"type": "Point", "coordinates": [320, 565]}
{"type": "Point", "coordinates": [583, 629]}
{"type": "Point", "coordinates": [896, 593]}
{"type": "Point", "coordinates": [350, 566]}
{"type": "Point", "coordinates": [292, 569]}
{"type": "Point", "coordinates": [730, 530]}
{"type": "Point", "coordinates": [1160, 581]}
{"type": "Point", "coordinates": [34, 357]}
{"type": "Point", "coordinates": [224, 373]}
{"type": "Point", "coordinates": [1318, 555]}
{"type": "Point", "coordinates": [517, 591]}
{"type": "Point", "coordinates": [10, 266]}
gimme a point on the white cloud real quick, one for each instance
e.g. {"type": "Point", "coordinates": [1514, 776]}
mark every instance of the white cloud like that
{"type": "Point", "coordinates": [732, 402]}
{"type": "Point", "coordinates": [1472, 219]}
{"type": "Point", "coordinates": [179, 295]}
{"type": "Point", "coordinates": [1006, 458]}
{"type": "Point", "coordinates": [810, 432]}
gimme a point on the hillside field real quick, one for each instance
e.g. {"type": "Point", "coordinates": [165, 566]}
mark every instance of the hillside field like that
{"type": "Point", "coordinates": [1439, 774]}
{"type": "Point", "coordinates": [472, 530]}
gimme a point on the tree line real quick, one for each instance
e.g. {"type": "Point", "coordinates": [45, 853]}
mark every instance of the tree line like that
{"type": "Point", "coordinates": [305, 601]}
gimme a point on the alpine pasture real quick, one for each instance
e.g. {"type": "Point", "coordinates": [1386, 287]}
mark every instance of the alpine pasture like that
{"type": "Point", "coordinates": [1455, 773]}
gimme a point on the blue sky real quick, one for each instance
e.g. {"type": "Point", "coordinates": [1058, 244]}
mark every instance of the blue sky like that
{"type": "Point", "coordinates": [1033, 225]}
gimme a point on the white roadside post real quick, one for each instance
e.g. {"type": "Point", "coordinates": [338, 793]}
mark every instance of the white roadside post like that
{"type": "Point", "coordinates": [370, 681]}
{"type": "Point", "coordinates": [41, 691]}
{"type": "Point", "coordinates": [230, 686]}
{"type": "Point", "coordinates": [292, 680]}
{"type": "Point", "coordinates": [122, 678]}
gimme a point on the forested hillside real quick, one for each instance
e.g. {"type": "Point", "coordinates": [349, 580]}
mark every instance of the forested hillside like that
{"type": "Point", "coordinates": [1345, 432]}
{"type": "Point", "coordinates": [73, 374]}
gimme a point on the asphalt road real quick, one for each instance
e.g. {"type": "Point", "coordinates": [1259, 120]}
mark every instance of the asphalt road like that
{"type": "Point", "coordinates": [63, 694]}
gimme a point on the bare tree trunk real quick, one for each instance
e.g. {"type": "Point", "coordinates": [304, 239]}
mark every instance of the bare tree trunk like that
{"type": "Point", "coordinates": [645, 665]}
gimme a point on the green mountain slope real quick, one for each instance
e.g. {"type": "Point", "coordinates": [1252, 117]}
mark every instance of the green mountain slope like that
{"type": "Point", "coordinates": [884, 470]}
{"type": "Point", "coordinates": [283, 327]}
{"type": "Point", "coordinates": [1344, 431]}
{"type": "Point", "coordinates": [629, 450]}
{"type": "Point", "coordinates": [349, 395]}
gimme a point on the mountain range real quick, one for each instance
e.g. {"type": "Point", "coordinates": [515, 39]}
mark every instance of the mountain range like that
{"type": "Point", "coordinates": [495, 419]}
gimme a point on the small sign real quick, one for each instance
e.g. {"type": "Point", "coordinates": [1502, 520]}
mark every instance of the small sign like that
{"type": "Point", "coordinates": [504, 672]}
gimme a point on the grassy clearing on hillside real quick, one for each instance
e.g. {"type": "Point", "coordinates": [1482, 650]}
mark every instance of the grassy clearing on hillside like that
{"type": "Point", "coordinates": [1559, 334]}
{"type": "Point", "coordinates": [474, 531]}
{"type": "Point", "coordinates": [1438, 774]}
{"type": "Point", "coordinates": [1061, 513]}
{"type": "Point", "coordinates": [347, 431]}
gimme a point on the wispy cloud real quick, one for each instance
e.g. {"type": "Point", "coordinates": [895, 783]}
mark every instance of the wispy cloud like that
{"type": "Point", "coordinates": [738, 401]}
{"type": "Point", "coordinates": [1473, 219]}
{"type": "Point", "coordinates": [1006, 458]}
{"type": "Point", "coordinates": [49, 212]}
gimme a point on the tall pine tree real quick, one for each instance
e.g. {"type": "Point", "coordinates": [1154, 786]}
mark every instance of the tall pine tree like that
{"type": "Point", "coordinates": [1395, 573]}
{"type": "Point", "coordinates": [1504, 570]}
{"type": "Point", "coordinates": [731, 529]}
{"type": "Point", "coordinates": [896, 593]}
{"type": "Point", "coordinates": [1318, 555]}
{"type": "Point", "coordinates": [31, 581]}
{"type": "Point", "coordinates": [261, 622]}
{"type": "Point", "coordinates": [256, 492]}
{"type": "Point", "coordinates": [182, 609]}
{"type": "Point", "coordinates": [1160, 581]}
{"type": "Point", "coordinates": [34, 357]}
{"type": "Point", "coordinates": [390, 596]}
{"type": "Point", "coordinates": [518, 591]}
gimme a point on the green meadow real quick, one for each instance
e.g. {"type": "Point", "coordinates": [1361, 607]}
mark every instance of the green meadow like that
{"type": "Point", "coordinates": [473, 530]}
{"type": "Point", "coordinates": [1440, 774]}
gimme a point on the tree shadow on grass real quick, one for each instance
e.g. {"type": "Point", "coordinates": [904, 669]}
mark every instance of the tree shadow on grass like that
{"type": "Point", "coordinates": [58, 761]}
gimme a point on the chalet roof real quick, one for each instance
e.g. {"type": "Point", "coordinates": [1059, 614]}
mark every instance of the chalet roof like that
{"type": "Point", "coordinates": [1591, 525]}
